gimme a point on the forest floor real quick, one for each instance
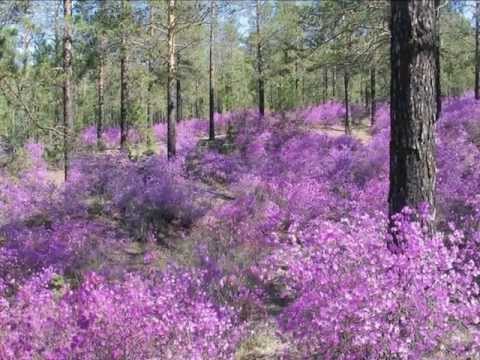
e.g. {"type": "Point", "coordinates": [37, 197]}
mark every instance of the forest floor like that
{"type": "Point", "coordinates": [57, 176]}
{"type": "Point", "coordinates": [129, 255]}
{"type": "Point", "coordinates": [360, 130]}
{"type": "Point", "coordinates": [177, 244]}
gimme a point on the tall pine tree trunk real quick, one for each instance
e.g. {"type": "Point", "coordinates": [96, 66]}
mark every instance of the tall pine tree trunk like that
{"type": "Point", "coordinates": [334, 82]}
{"type": "Point", "coordinates": [261, 85]}
{"type": "Point", "coordinates": [272, 105]}
{"type": "Point", "coordinates": [123, 81]}
{"type": "Point", "coordinates": [373, 103]}
{"type": "Point", "coordinates": [67, 85]}
{"type": "Point", "coordinates": [211, 92]}
{"type": "Point", "coordinates": [348, 125]}
{"type": "Point", "coordinates": [197, 101]}
{"type": "Point", "coordinates": [362, 89]}
{"type": "Point", "coordinates": [413, 105]}
{"type": "Point", "coordinates": [367, 95]}
{"type": "Point", "coordinates": [325, 85]}
{"type": "Point", "coordinates": [303, 89]}
{"type": "Point", "coordinates": [100, 99]}
{"type": "Point", "coordinates": [179, 100]}
{"type": "Point", "coordinates": [58, 56]}
{"type": "Point", "coordinates": [228, 93]}
{"type": "Point", "coordinates": [101, 82]}
{"type": "Point", "coordinates": [477, 45]}
{"type": "Point", "coordinates": [150, 69]}
{"type": "Point", "coordinates": [171, 82]}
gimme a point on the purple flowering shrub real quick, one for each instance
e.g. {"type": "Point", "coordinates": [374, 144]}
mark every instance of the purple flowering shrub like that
{"type": "Point", "coordinates": [382, 119]}
{"type": "Point", "coordinates": [166, 316]}
{"type": "Point", "coordinates": [355, 297]}
{"type": "Point", "coordinates": [144, 195]}
{"type": "Point", "coordinates": [458, 154]}
{"type": "Point", "coordinates": [43, 224]}
{"type": "Point", "coordinates": [328, 113]}
{"type": "Point", "coordinates": [28, 193]}
{"type": "Point", "coordinates": [110, 136]}
{"type": "Point", "coordinates": [216, 167]}
{"type": "Point", "coordinates": [66, 245]}
{"type": "Point", "coordinates": [189, 131]}
{"type": "Point", "coordinates": [88, 136]}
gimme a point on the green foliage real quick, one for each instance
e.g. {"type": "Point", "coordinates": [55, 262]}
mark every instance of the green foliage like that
{"type": "Point", "coordinates": [306, 46]}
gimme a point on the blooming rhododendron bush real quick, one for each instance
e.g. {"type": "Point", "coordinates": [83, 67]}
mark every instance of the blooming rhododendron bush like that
{"type": "Point", "coordinates": [354, 296]}
{"type": "Point", "coordinates": [167, 315]}
{"type": "Point", "coordinates": [29, 192]}
{"type": "Point", "coordinates": [276, 223]}
{"type": "Point", "coordinates": [110, 136]}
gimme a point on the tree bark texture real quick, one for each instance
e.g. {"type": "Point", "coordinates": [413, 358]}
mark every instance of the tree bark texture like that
{"type": "Point", "coordinates": [67, 85]}
{"type": "Point", "coordinates": [413, 105]}
{"type": "Point", "coordinates": [171, 82]}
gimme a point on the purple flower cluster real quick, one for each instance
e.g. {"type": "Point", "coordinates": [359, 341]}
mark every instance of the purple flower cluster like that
{"type": "Point", "coordinates": [54, 233]}
{"type": "Point", "coordinates": [110, 136]}
{"type": "Point", "coordinates": [30, 191]}
{"type": "Point", "coordinates": [166, 316]}
{"type": "Point", "coordinates": [355, 297]}
{"type": "Point", "coordinates": [328, 113]}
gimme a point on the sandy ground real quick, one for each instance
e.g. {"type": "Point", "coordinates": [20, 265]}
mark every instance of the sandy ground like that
{"type": "Point", "coordinates": [360, 131]}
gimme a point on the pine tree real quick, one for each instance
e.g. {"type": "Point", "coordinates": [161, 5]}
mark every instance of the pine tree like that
{"type": "Point", "coordinates": [413, 105]}
{"type": "Point", "coordinates": [211, 71]}
{"type": "Point", "coordinates": [171, 81]}
{"type": "Point", "coordinates": [67, 84]}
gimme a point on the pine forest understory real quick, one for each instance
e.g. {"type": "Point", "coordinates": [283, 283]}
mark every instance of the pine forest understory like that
{"type": "Point", "coordinates": [256, 179]}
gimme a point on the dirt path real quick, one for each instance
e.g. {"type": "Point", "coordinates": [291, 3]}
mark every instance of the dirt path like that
{"type": "Point", "coordinates": [131, 254]}
{"type": "Point", "coordinates": [360, 130]}
{"type": "Point", "coordinates": [56, 176]}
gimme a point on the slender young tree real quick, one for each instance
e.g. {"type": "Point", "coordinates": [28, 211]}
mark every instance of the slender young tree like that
{"type": "Point", "coordinates": [346, 82]}
{"type": "Point", "coordinates": [101, 77]}
{"type": "Point", "coordinates": [348, 125]}
{"type": "Point", "coordinates": [67, 84]}
{"type": "Point", "coordinates": [211, 93]}
{"type": "Point", "coordinates": [179, 95]}
{"type": "Point", "coordinates": [413, 105]}
{"type": "Point", "coordinates": [325, 84]}
{"type": "Point", "coordinates": [58, 58]}
{"type": "Point", "coordinates": [197, 100]}
{"type": "Point", "coordinates": [260, 84]}
{"type": "Point", "coordinates": [123, 79]}
{"type": "Point", "coordinates": [171, 81]}
{"type": "Point", "coordinates": [477, 45]}
{"type": "Point", "coordinates": [362, 89]}
{"type": "Point", "coordinates": [296, 82]}
{"type": "Point", "coordinates": [366, 93]}
{"type": "Point", "coordinates": [373, 104]}
{"type": "Point", "coordinates": [100, 98]}
{"type": "Point", "coordinates": [334, 82]}
{"type": "Point", "coordinates": [151, 30]}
